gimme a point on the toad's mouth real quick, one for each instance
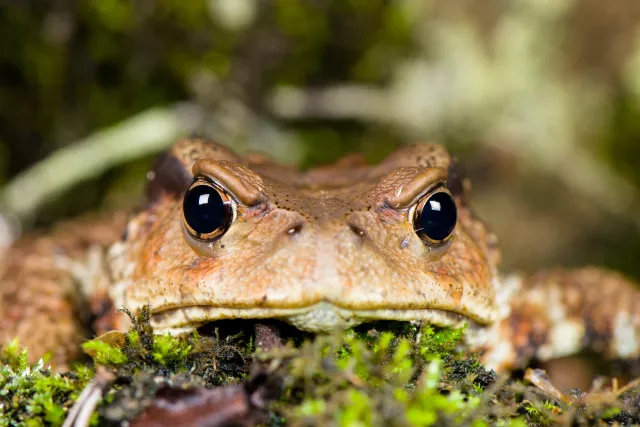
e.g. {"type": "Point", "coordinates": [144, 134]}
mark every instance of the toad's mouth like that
{"type": "Point", "coordinates": [322, 317]}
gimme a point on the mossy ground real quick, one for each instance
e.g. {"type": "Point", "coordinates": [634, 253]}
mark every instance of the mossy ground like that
{"type": "Point", "coordinates": [386, 374]}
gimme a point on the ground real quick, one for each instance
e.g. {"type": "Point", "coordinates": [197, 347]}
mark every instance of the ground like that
{"type": "Point", "coordinates": [385, 374]}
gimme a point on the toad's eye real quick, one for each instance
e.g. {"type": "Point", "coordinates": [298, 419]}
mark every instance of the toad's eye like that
{"type": "Point", "coordinates": [207, 210]}
{"type": "Point", "coordinates": [435, 217]}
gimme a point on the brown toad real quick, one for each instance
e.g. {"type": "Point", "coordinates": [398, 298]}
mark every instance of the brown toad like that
{"type": "Point", "coordinates": [227, 237]}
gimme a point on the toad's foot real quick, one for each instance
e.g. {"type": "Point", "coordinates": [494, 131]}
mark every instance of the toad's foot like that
{"type": "Point", "coordinates": [561, 312]}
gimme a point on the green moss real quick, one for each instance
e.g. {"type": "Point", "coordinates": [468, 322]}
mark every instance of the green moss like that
{"type": "Point", "coordinates": [104, 353]}
{"type": "Point", "coordinates": [535, 414]}
{"type": "Point", "coordinates": [395, 377]}
{"type": "Point", "coordinates": [439, 342]}
{"type": "Point", "coordinates": [610, 413]}
{"type": "Point", "coordinates": [357, 410]}
{"type": "Point", "coordinates": [388, 373]}
{"type": "Point", "coordinates": [168, 350]}
{"type": "Point", "coordinates": [142, 351]}
{"type": "Point", "coordinates": [32, 395]}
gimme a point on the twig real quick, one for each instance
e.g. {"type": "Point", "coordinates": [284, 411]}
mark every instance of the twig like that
{"type": "Point", "coordinates": [80, 413]}
{"type": "Point", "coordinates": [146, 133]}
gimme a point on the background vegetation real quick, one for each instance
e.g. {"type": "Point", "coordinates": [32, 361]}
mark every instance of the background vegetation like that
{"type": "Point", "coordinates": [539, 98]}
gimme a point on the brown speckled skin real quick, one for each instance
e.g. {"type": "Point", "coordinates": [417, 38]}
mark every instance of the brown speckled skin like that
{"type": "Point", "coordinates": [340, 235]}
{"type": "Point", "coordinates": [41, 278]}
{"type": "Point", "coordinates": [559, 312]}
{"type": "Point", "coordinates": [325, 248]}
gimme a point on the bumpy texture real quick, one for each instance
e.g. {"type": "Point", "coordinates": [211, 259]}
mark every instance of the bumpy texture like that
{"type": "Point", "coordinates": [322, 249]}
{"type": "Point", "coordinates": [559, 312]}
{"type": "Point", "coordinates": [326, 248]}
{"type": "Point", "coordinates": [44, 279]}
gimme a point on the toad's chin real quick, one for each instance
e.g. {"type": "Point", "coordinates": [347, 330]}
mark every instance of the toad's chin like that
{"type": "Point", "coordinates": [322, 317]}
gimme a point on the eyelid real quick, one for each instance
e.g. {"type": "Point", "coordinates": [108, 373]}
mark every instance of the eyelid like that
{"type": "Point", "coordinates": [420, 200]}
{"type": "Point", "coordinates": [205, 180]}
{"type": "Point", "coordinates": [409, 195]}
{"type": "Point", "coordinates": [440, 187]}
{"type": "Point", "coordinates": [424, 196]}
{"type": "Point", "coordinates": [241, 182]}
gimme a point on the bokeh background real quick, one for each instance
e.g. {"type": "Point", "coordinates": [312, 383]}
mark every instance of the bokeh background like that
{"type": "Point", "coordinates": [539, 100]}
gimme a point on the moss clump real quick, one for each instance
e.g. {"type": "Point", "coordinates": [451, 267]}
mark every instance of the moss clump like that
{"type": "Point", "coordinates": [33, 395]}
{"type": "Point", "coordinates": [144, 362]}
{"type": "Point", "coordinates": [140, 350]}
{"type": "Point", "coordinates": [403, 376]}
{"type": "Point", "coordinates": [387, 373]}
{"type": "Point", "coordinates": [104, 352]}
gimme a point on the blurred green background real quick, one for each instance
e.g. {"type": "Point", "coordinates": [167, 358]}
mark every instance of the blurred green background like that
{"type": "Point", "coordinates": [539, 99]}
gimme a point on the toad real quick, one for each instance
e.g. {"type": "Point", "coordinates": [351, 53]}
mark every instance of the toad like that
{"type": "Point", "coordinates": [231, 237]}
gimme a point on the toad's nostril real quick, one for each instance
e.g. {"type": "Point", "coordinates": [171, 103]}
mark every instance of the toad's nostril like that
{"type": "Point", "coordinates": [294, 230]}
{"type": "Point", "coordinates": [357, 230]}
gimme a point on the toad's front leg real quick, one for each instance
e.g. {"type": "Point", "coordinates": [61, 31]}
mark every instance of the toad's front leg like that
{"type": "Point", "coordinates": [45, 282]}
{"type": "Point", "coordinates": [561, 312]}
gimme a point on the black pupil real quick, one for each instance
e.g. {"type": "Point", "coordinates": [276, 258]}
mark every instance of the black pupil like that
{"type": "Point", "coordinates": [438, 217]}
{"type": "Point", "coordinates": [204, 209]}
